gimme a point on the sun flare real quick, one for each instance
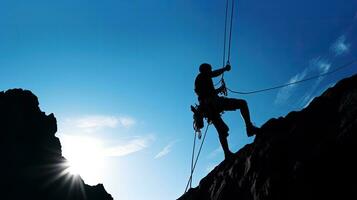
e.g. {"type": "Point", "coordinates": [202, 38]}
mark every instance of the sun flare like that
{"type": "Point", "coordinates": [85, 158]}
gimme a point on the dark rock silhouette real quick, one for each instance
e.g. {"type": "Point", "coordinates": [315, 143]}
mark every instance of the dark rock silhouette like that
{"type": "Point", "coordinates": [32, 166]}
{"type": "Point", "coordinates": [309, 154]}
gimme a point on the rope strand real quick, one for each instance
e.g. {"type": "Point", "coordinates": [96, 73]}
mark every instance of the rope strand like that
{"type": "Point", "coordinates": [198, 154]}
{"type": "Point", "coordinates": [193, 154]}
{"type": "Point", "coordinates": [230, 33]}
{"type": "Point", "coordinates": [225, 35]}
{"type": "Point", "coordinates": [296, 82]}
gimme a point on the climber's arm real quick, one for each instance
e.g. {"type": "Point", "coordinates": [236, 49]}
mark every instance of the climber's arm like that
{"type": "Point", "coordinates": [218, 72]}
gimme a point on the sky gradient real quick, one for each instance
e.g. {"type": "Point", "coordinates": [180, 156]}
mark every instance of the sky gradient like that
{"type": "Point", "coordinates": [118, 75]}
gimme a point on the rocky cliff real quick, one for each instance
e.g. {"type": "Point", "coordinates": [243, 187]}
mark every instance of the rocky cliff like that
{"type": "Point", "coordinates": [309, 154]}
{"type": "Point", "coordinates": [32, 166]}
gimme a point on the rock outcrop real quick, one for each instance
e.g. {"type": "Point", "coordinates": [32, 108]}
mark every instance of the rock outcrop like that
{"type": "Point", "coordinates": [309, 154]}
{"type": "Point", "coordinates": [32, 165]}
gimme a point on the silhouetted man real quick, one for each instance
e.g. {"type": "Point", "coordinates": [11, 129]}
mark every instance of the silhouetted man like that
{"type": "Point", "coordinates": [211, 104]}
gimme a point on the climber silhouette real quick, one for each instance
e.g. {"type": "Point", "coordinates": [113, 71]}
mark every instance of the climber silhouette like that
{"type": "Point", "coordinates": [211, 105]}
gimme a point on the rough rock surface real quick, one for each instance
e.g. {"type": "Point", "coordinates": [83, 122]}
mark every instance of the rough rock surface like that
{"type": "Point", "coordinates": [309, 154]}
{"type": "Point", "coordinates": [32, 166]}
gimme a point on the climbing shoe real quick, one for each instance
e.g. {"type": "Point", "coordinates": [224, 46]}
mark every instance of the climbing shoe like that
{"type": "Point", "coordinates": [252, 130]}
{"type": "Point", "coordinates": [228, 155]}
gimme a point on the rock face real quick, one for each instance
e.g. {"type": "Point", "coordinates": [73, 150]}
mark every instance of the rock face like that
{"type": "Point", "coordinates": [310, 154]}
{"type": "Point", "coordinates": [32, 166]}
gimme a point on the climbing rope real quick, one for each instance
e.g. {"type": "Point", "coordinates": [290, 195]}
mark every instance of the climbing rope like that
{"type": "Point", "coordinates": [230, 33]}
{"type": "Point", "coordinates": [296, 82]}
{"type": "Point", "coordinates": [225, 35]}
{"type": "Point", "coordinates": [228, 56]}
{"type": "Point", "coordinates": [193, 155]}
{"type": "Point", "coordinates": [193, 164]}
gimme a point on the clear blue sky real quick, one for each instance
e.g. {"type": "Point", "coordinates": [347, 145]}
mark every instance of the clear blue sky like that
{"type": "Point", "coordinates": [122, 72]}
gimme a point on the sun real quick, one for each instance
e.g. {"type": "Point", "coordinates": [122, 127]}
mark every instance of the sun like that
{"type": "Point", "coordinates": [85, 158]}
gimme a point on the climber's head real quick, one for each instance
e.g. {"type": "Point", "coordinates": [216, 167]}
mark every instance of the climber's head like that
{"type": "Point", "coordinates": [205, 68]}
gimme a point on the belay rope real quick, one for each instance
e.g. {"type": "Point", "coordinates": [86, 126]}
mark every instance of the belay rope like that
{"type": "Point", "coordinates": [228, 56]}
{"type": "Point", "coordinates": [194, 161]}
{"type": "Point", "coordinates": [296, 82]}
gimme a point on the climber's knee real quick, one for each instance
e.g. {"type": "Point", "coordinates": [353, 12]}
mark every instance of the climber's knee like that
{"type": "Point", "coordinates": [220, 126]}
{"type": "Point", "coordinates": [241, 103]}
{"type": "Point", "coordinates": [223, 135]}
{"type": "Point", "coordinates": [231, 104]}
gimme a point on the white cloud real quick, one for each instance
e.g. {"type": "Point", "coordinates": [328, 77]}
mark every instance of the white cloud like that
{"type": "Point", "coordinates": [96, 122]}
{"type": "Point", "coordinates": [75, 144]}
{"type": "Point", "coordinates": [318, 65]}
{"type": "Point", "coordinates": [309, 97]}
{"type": "Point", "coordinates": [285, 92]}
{"type": "Point", "coordinates": [166, 150]}
{"type": "Point", "coordinates": [92, 123]}
{"type": "Point", "coordinates": [126, 121]}
{"type": "Point", "coordinates": [324, 67]}
{"type": "Point", "coordinates": [129, 147]}
{"type": "Point", "coordinates": [340, 46]}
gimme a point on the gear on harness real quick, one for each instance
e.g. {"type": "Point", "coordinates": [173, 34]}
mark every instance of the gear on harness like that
{"type": "Point", "coordinates": [198, 123]}
{"type": "Point", "coordinates": [224, 88]}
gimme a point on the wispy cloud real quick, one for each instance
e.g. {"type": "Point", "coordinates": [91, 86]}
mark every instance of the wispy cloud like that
{"type": "Point", "coordinates": [96, 122]}
{"type": "Point", "coordinates": [285, 93]}
{"type": "Point", "coordinates": [319, 66]}
{"type": "Point", "coordinates": [166, 150]}
{"type": "Point", "coordinates": [92, 123]}
{"type": "Point", "coordinates": [308, 98]}
{"type": "Point", "coordinates": [84, 145]}
{"type": "Point", "coordinates": [87, 132]}
{"type": "Point", "coordinates": [127, 121]}
{"type": "Point", "coordinates": [340, 46]}
{"type": "Point", "coordinates": [316, 66]}
{"type": "Point", "coordinates": [215, 152]}
{"type": "Point", "coordinates": [129, 147]}
{"type": "Point", "coordinates": [322, 65]}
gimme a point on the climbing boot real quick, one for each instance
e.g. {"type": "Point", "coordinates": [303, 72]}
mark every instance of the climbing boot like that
{"type": "Point", "coordinates": [252, 130]}
{"type": "Point", "coordinates": [228, 155]}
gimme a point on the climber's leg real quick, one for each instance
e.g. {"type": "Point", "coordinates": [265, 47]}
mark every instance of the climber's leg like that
{"type": "Point", "coordinates": [230, 104]}
{"type": "Point", "coordinates": [222, 130]}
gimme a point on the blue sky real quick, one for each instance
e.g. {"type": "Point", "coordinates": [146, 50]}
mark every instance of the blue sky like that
{"type": "Point", "coordinates": [118, 75]}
